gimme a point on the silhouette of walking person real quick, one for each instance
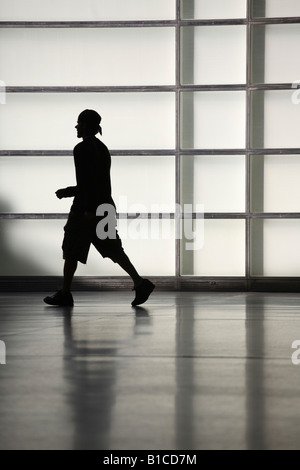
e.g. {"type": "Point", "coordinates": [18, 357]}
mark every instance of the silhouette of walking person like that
{"type": "Point", "coordinates": [92, 166]}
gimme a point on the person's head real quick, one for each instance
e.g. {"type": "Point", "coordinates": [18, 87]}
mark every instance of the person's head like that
{"type": "Point", "coordinates": [88, 123]}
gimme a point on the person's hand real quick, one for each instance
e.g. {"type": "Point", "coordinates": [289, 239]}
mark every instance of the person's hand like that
{"type": "Point", "coordinates": [60, 193]}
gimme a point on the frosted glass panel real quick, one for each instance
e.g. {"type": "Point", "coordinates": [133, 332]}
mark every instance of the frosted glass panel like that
{"type": "Point", "coordinates": [223, 251]}
{"type": "Point", "coordinates": [28, 184]}
{"type": "Point", "coordinates": [90, 10]}
{"type": "Point", "coordinates": [216, 54]}
{"type": "Point", "coordinates": [282, 43]}
{"type": "Point", "coordinates": [217, 182]}
{"type": "Point", "coordinates": [144, 184]}
{"type": "Point", "coordinates": [281, 119]}
{"type": "Point", "coordinates": [150, 245]}
{"type": "Point", "coordinates": [281, 254]}
{"type": "Point", "coordinates": [281, 190]}
{"type": "Point", "coordinates": [46, 121]}
{"type": "Point", "coordinates": [90, 56]}
{"type": "Point", "coordinates": [213, 9]}
{"type": "Point", "coordinates": [279, 8]}
{"type": "Point", "coordinates": [213, 119]}
{"type": "Point", "coordinates": [33, 248]}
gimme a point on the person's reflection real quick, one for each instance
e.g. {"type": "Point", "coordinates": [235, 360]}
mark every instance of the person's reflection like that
{"type": "Point", "coordinates": [185, 377]}
{"type": "Point", "coordinates": [255, 396]}
{"type": "Point", "coordinates": [143, 321]}
{"type": "Point", "coordinates": [90, 371]}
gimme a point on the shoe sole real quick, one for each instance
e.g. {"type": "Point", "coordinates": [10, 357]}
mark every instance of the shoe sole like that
{"type": "Point", "coordinates": [48, 302]}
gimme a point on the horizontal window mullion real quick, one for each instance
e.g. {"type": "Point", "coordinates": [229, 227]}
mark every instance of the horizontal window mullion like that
{"type": "Point", "coordinates": [87, 24]}
{"type": "Point", "coordinates": [156, 152]}
{"type": "Point", "coordinates": [212, 152]}
{"type": "Point", "coordinates": [149, 88]}
{"type": "Point", "coordinates": [162, 215]}
{"type": "Point", "coordinates": [146, 23]}
{"type": "Point", "coordinates": [214, 22]}
{"type": "Point", "coordinates": [67, 153]}
{"type": "Point", "coordinates": [273, 86]}
{"type": "Point", "coordinates": [287, 20]}
{"type": "Point", "coordinates": [57, 216]}
{"type": "Point", "coordinates": [281, 151]}
{"type": "Point", "coordinates": [254, 151]}
{"type": "Point", "coordinates": [89, 89]}
{"type": "Point", "coordinates": [239, 21]}
{"type": "Point", "coordinates": [274, 215]}
{"type": "Point", "coordinates": [27, 216]}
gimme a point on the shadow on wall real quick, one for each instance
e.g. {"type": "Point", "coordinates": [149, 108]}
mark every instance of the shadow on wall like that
{"type": "Point", "coordinates": [14, 262]}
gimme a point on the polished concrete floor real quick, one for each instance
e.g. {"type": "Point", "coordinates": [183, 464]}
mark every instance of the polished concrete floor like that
{"type": "Point", "coordinates": [188, 370]}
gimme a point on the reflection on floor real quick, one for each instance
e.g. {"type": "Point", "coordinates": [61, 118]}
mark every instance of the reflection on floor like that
{"type": "Point", "coordinates": [185, 371]}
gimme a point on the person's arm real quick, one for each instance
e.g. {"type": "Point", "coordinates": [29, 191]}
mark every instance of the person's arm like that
{"type": "Point", "coordinates": [70, 191]}
{"type": "Point", "coordinates": [85, 176]}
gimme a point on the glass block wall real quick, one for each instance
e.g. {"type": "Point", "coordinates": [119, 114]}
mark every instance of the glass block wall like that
{"type": "Point", "coordinates": [200, 108]}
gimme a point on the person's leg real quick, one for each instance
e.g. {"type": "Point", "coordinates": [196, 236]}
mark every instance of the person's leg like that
{"type": "Point", "coordinates": [125, 263]}
{"type": "Point", "coordinates": [143, 287]}
{"type": "Point", "coordinates": [64, 297]}
{"type": "Point", "coordinates": [75, 247]}
{"type": "Point", "coordinates": [112, 248]}
{"type": "Point", "coordinates": [70, 267]}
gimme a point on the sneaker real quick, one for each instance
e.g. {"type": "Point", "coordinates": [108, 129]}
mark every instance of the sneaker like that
{"type": "Point", "coordinates": [142, 292]}
{"type": "Point", "coordinates": [60, 298]}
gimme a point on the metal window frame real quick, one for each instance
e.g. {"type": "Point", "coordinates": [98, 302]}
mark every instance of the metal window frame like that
{"type": "Point", "coordinates": [177, 281]}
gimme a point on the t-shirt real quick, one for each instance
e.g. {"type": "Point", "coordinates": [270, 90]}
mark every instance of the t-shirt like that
{"type": "Point", "coordinates": [92, 166]}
